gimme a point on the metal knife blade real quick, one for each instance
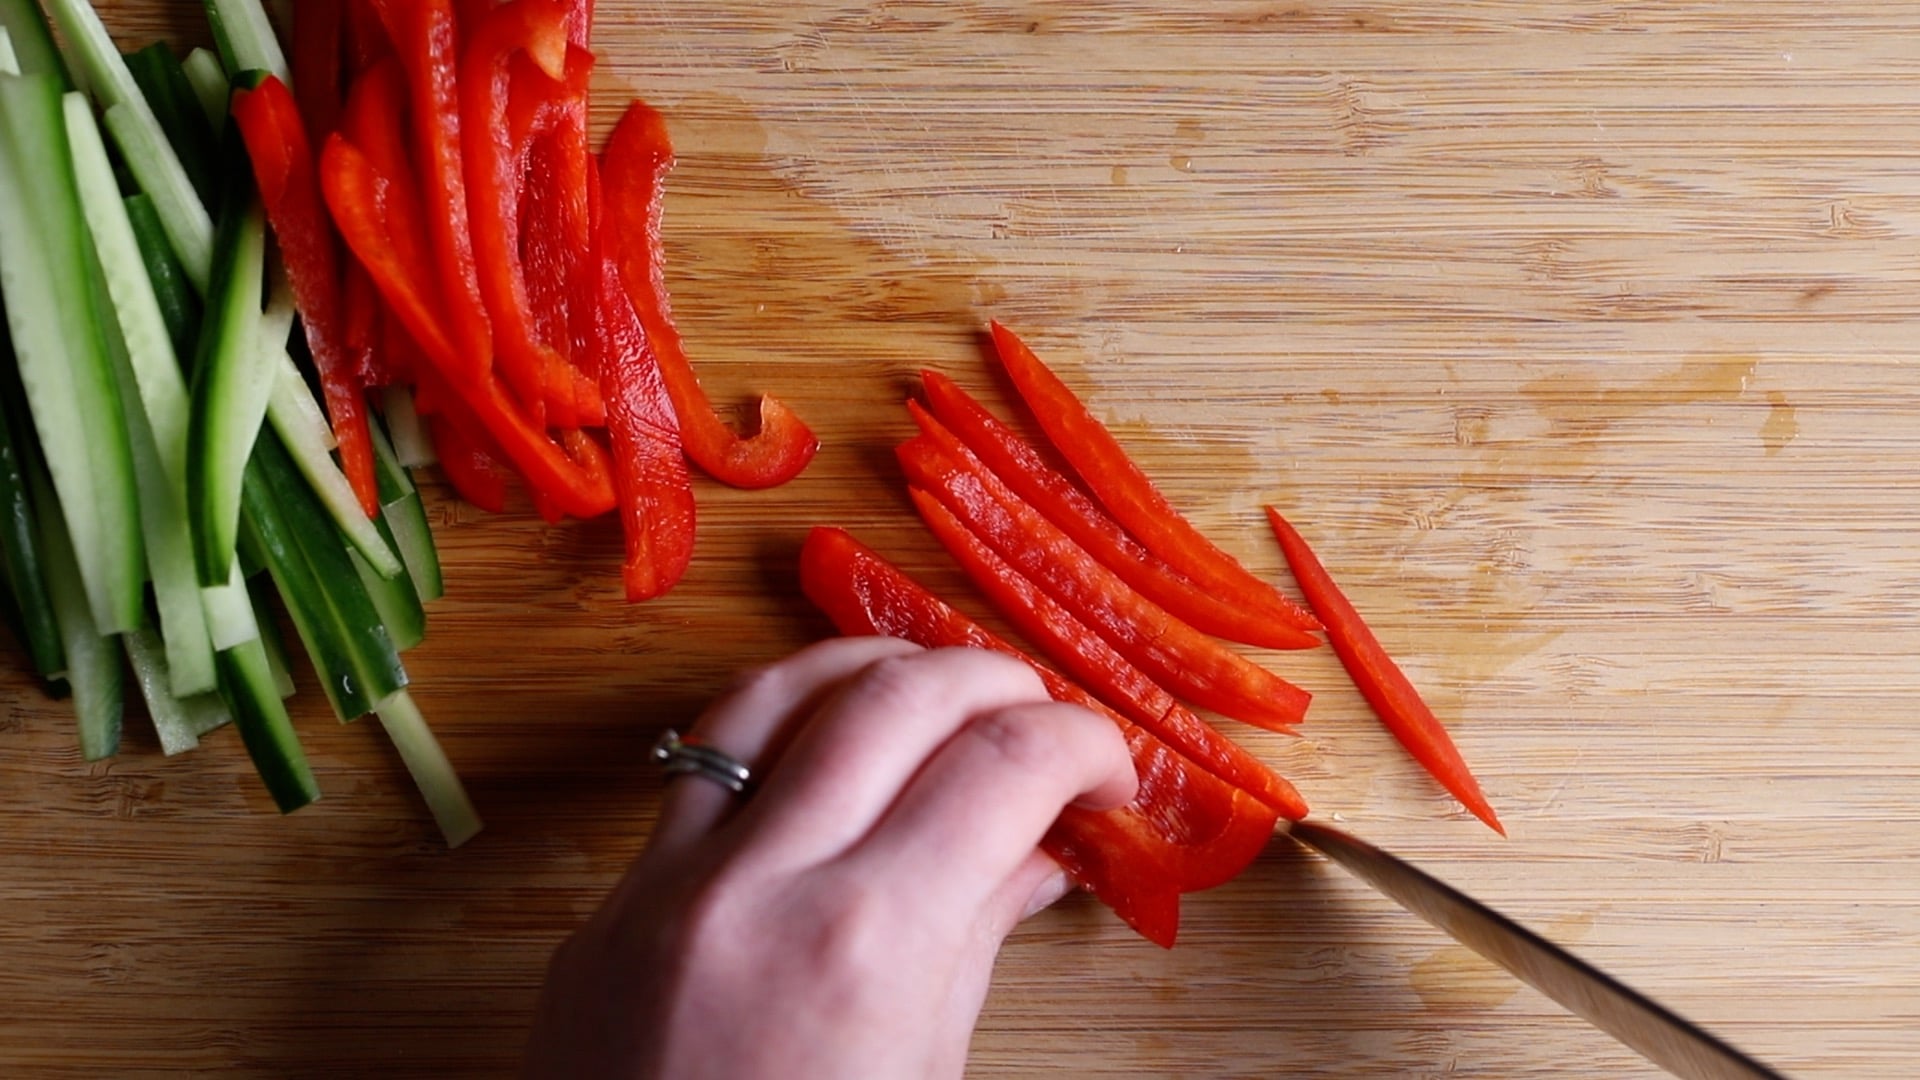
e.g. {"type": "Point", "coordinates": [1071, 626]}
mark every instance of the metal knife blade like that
{"type": "Point", "coordinates": [1664, 1037]}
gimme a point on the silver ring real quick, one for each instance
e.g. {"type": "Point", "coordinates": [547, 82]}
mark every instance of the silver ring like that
{"type": "Point", "coordinates": [677, 756]}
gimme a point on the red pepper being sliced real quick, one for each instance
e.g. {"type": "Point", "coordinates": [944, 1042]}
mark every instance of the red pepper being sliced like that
{"type": "Point", "coordinates": [366, 207]}
{"type": "Point", "coordinates": [537, 28]}
{"type": "Point", "coordinates": [1175, 655]}
{"type": "Point", "coordinates": [1088, 658]}
{"type": "Point", "coordinates": [1386, 688]}
{"type": "Point", "coordinates": [637, 159]}
{"type": "Point", "coordinates": [1047, 490]}
{"type": "Point", "coordinates": [1185, 830]}
{"type": "Point", "coordinates": [319, 30]}
{"type": "Point", "coordinates": [1126, 492]}
{"type": "Point", "coordinates": [424, 37]}
{"type": "Point", "coordinates": [650, 472]}
{"type": "Point", "coordinates": [289, 182]}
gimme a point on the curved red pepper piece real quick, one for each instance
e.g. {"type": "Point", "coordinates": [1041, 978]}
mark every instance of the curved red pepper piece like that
{"type": "Point", "coordinates": [289, 181]}
{"type": "Point", "coordinates": [1175, 655]}
{"type": "Point", "coordinates": [1088, 658]}
{"type": "Point", "coordinates": [1185, 830]}
{"type": "Point", "coordinates": [424, 35]}
{"type": "Point", "coordinates": [637, 159]}
{"type": "Point", "coordinates": [1049, 491]}
{"type": "Point", "coordinates": [1380, 680]}
{"type": "Point", "coordinates": [537, 28]}
{"type": "Point", "coordinates": [1128, 495]}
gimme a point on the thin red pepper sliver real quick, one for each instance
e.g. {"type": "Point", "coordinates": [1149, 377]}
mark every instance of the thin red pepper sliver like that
{"type": "Point", "coordinates": [1103, 465]}
{"type": "Point", "coordinates": [424, 35]}
{"type": "Point", "coordinates": [289, 182]}
{"type": "Point", "coordinates": [650, 472]}
{"type": "Point", "coordinates": [1049, 491]}
{"type": "Point", "coordinates": [318, 46]}
{"type": "Point", "coordinates": [1088, 658]}
{"type": "Point", "coordinates": [1185, 830]}
{"type": "Point", "coordinates": [366, 38]}
{"type": "Point", "coordinates": [580, 24]}
{"type": "Point", "coordinates": [538, 30]}
{"type": "Point", "coordinates": [1190, 664]}
{"type": "Point", "coordinates": [1386, 688]}
{"type": "Point", "coordinates": [636, 161]}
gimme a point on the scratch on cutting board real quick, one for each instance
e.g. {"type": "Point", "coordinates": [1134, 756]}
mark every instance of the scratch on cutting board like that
{"type": "Point", "coordinates": [1566, 778]}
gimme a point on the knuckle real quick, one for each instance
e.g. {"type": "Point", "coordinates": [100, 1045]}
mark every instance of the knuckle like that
{"type": "Point", "coordinates": [1021, 739]}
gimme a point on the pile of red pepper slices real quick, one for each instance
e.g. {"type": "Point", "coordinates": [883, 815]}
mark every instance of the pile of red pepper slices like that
{"type": "Point", "coordinates": [1126, 597]}
{"type": "Point", "coordinates": [508, 276]}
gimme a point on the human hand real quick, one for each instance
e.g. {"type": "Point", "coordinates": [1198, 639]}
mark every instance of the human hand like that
{"type": "Point", "coordinates": [844, 920]}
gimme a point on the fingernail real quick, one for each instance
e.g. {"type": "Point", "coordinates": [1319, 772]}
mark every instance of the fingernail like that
{"type": "Point", "coordinates": [1051, 889]}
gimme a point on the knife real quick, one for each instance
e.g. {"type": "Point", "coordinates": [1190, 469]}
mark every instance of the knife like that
{"type": "Point", "coordinates": [1664, 1037]}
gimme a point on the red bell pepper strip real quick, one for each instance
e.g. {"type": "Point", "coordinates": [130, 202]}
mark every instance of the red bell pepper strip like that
{"type": "Point", "coordinates": [1175, 655]}
{"type": "Point", "coordinates": [476, 475]}
{"type": "Point", "coordinates": [1386, 688]}
{"type": "Point", "coordinates": [364, 204]}
{"type": "Point", "coordinates": [537, 28]}
{"type": "Point", "coordinates": [637, 159]}
{"type": "Point", "coordinates": [1088, 658]}
{"type": "Point", "coordinates": [366, 38]}
{"type": "Point", "coordinates": [1049, 491]}
{"type": "Point", "coordinates": [319, 30]}
{"type": "Point", "coordinates": [1128, 495]}
{"type": "Point", "coordinates": [549, 124]}
{"type": "Point", "coordinates": [580, 24]}
{"type": "Point", "coordinates": [650, 472]}
{"type": "Point", "coordinates": [424, 37]}
{"type": "Point", "coordinates": [289, 182]}
{"type": "Point", "coordinates": [1185, 830]}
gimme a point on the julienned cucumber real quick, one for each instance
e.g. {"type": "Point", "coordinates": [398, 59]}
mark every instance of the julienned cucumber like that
{"type": "Point", "coordinates": [34, 52]}
{"type": "Point", "coordinates": [19, 522]}
{"type": "Point", "coordinates": [93, 661]}
{"type": "Point", "coordinates": [406, 518]}
{"type": "Point", "coordinates": [246, 39]}
{"type": "Point", "coordinates": [432, 772]}
{"type": "Point", "coordinates": [353, 654]}
{"type": "Point", "coordinates": [246, 682]}
{"type": "Point", "coordinates": [231, 382]}
{"type": "Point", "coordinates": [60, 339]}
{"type": "Point", "coordinates": [177, 109]}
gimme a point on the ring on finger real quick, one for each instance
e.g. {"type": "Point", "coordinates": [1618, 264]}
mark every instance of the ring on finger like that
{"type": "Point", "coordinates": [679, 757]}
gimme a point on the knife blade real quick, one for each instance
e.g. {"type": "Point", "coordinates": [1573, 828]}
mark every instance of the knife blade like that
{"type": "Point", "coordinates": [1661, 1035]}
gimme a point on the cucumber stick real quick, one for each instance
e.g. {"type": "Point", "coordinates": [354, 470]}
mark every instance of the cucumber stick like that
{"type": "Point", "coordinates": [210, 85]}
{"type": "Point", "coordinates": [30, 42]}
{"type": "Point", "coordinates": [60, 335]}
{"type": "Point", "coordinates": [270, 636]}
{"type": "Point", "coordinates": [410, 442]}
{"type": "Point", "coordinates": [163, 82]}
{"type": "Point", "coordinates": [406, 518]}
{"type": "Point", "coordinates": [246, 39]}
{"type": "Point", "coordinates": [246, 682]}
{"type": "Point", "coordinates": [158, 171]}
{"type": "Point", "coordinates": [93, 661]}
{"type": "Point", "coordinates": [19, 522]}
{"type": "Point", "coordinates": [432, 773]}
{"type": "Point", "coordinates": [179, 721]}
{"type": "Point", "coordinates": [179, 306]}
{"type": "Point", "coordinates": [230, 385]}
{"type": "Point", "coordinates": [353, 654]}
{"type": "Point", "coordinates": [9, 60]}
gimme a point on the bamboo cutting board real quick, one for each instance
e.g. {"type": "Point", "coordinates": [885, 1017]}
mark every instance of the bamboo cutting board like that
{"type": "Point", "coordinates": [1581, 338]}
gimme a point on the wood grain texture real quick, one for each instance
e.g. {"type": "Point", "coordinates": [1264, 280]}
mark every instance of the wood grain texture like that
{"type": "Point", "coordinates": [1580, 338]}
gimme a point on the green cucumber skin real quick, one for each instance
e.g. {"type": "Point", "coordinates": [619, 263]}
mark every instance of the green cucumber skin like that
{"type": "Point", "coordinates": [19, 523]}
{"type": "Point", "coordinates": [246, 682]}
{"type": "Point", "coordinates": [171, 97]}
{"type": "Point", "coordinates": [32, 40]}
{"type": "Point", "coordinates": [179, 305]}
{"type": "Point", "coordinates": [406, 519]}
{"type": "Point", "coordinates": [93, 661]}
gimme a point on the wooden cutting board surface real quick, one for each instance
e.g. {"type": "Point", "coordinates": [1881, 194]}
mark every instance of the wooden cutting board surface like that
{"type": "Point", "coordinates": [1581, 338]}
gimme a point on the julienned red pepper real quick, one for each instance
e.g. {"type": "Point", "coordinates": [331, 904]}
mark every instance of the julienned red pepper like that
{"type": "Point", "coordinates": [650, 472]}
{"type": "Point", "coordinates": [1185, 830]}
{"type": "Point", "coordinates": [1088, 658]}
{"type": "Point", "coordinates": [1050, 492]}
{"type": "Point", "coordinates": [289, 183]}
{"type": "Point", "coordinates": [580, 23]}
{"type": "Point", "coordinates": [366, 207]}
{"type": "Point", "coordinates": [1126, 492]}
{"type": "Point", "coordinates": [366, 38]}
{"type": "Point", "coordinates": [536, 28]}
{"type": "Point", "coordinates": [1386, 688]}
{"type": "Point", "coordinates": [319, 30]}
{"type": "Point", "coordinates": [1178, 657]}
{"type": "Point", "coordinates": [424, 38]}
{"type": "Point", "coordinates": [636, 161]}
